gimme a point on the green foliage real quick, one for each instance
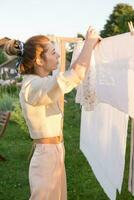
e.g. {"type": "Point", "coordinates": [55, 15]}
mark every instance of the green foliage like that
{"type": "Point", "coordinates": [70, 52]}
{"type": "Point", "coordinates": [69, 56]}
{"type": "Point", "coordinates": [12, 89]}
{"type": "Point", "coordinates": [7, 102]}
{"type": "Point", "coordinates": [15, 147]}
{"type": "Point", "coordinates": [117, 22]}
{"type": "Point", "coordinates": [3, 57]}
{"type": "Point", "coordinates": [19, 79]}
{"type": "Point", "coordinates": [79, 35]}
{"type": "Point", "coordinates": [18, 117]}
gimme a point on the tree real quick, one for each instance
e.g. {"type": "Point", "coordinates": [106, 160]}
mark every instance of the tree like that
{"type": "Point", "coordinates": [117, 22]}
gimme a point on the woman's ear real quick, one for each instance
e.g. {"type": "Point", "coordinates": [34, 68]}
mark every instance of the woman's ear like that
{"type": "Point", "coordinates": [39, 61]}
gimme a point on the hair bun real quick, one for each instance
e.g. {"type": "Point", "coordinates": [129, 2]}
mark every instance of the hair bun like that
{"type": "Point", "coordinates": [12, 47]}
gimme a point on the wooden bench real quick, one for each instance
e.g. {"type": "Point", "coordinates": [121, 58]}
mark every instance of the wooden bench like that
{"type": "Point", "coordinates": [4, 119]}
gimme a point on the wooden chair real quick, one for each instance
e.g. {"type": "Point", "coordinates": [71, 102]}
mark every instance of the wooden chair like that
{"type": "Point", "coordinates": [4, 119]}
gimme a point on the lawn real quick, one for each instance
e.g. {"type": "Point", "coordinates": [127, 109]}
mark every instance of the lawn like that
{"type": "Point", "coordinates": [82, 184]}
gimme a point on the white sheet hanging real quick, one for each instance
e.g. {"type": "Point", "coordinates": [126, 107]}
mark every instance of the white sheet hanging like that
{"type": "Point", "coordinates": [107, 87]}
{"type": "Point", "coordinates": [114, 62]}
{"type": "Point", "coordinates": [113, 68]}
{"type": "Point", "coordinates": [103, 142]}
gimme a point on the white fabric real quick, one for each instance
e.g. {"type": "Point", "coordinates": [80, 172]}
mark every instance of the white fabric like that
{"type": "Point", "coordinates": [113, 68]}
{"type": "Point", "coordinates": [86, 91]}
{"type": "Point", "coordinates": [114, 60]}
{"type": "Point", "coordinates": [108, 84]}
{"type": "Point", "coordinates": [103, 142]}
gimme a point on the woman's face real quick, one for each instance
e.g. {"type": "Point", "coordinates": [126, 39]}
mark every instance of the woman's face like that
{"type": "Point", "coordinates": [51, 58]}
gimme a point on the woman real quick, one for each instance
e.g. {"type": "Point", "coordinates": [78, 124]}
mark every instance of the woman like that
{"type": "Point", "coordinates": [39, 97]}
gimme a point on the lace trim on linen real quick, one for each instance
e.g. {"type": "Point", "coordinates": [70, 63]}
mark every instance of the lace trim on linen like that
{"type": "Point", "coordinates": [86, 92]}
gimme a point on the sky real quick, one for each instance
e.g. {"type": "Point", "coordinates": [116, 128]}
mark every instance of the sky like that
{"type": "Point", "coordinates": [21, 19]}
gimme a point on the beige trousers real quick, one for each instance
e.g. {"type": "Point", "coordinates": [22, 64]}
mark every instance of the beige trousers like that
{"type": "Point", "coordinates": [47, 175]}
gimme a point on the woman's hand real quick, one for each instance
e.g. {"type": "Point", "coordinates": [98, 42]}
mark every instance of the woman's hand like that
{"type": "Point", "coordinates": [82, 63]}
{"type": "Point", "coordinates": [92, 37]}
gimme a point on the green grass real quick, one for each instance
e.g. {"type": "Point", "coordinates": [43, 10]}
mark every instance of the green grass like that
{"type": "Point", "coordinates": [82, 184]}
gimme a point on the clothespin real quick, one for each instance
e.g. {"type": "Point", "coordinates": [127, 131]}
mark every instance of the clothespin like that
{"type": "Point", "coordinates": [131, 27]}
